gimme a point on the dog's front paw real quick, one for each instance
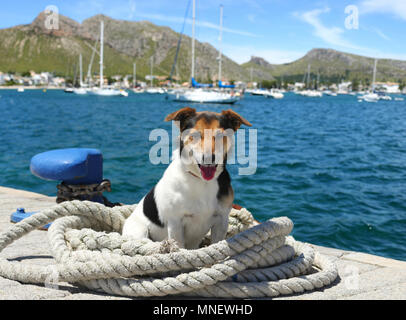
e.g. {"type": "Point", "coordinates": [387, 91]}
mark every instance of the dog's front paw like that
{"type": "Point", "coordinates": [169, 246]}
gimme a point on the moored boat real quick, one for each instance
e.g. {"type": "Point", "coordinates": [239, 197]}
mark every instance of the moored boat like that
{"type": "Point", "coordinates": [80, 91]}
{"type": "Point", "coordinates": [205, 96]}
{"type": "Point", "coordinates": [370, 97]}
{"type": "Point", "coordinates": [103, 91]}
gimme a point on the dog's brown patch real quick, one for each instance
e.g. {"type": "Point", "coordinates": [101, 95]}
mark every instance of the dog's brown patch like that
{"type": "Point", "coordinates": [234, 119]}
{"type": "Point", "coordinates": [206, 122]}
{"type": "Point", "coordinates": [181, 114]}
{"type": "Point", "coordinates": [207, 125]}
{"type": "Point", "coordinates": [199, 129]}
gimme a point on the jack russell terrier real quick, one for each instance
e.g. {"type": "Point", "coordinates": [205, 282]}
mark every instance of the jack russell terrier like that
{"type": "Point", "coordinates": [194, 196]}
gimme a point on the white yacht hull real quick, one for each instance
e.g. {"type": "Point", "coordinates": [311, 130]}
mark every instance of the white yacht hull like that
{"type": "Point", "coordinates": [372, 97]}
{"type": "Point", "coordinates": [106, 92]}
{"type": "Point", "coordinates": [80, 91]}
{"type": "Point", "coordinates": [205, 97]}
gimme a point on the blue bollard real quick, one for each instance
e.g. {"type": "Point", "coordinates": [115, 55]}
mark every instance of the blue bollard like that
{"type": "Point", "coordinates": [73, 166]}
{"type": "Point", "coordinates": [76, 169]}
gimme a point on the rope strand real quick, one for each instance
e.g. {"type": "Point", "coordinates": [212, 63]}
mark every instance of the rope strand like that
{"type": "Point", "coordinates": [255, 261]}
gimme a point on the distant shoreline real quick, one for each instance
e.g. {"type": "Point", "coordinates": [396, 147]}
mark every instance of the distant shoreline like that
{"type": "Point", "coordinates": [29, 88]}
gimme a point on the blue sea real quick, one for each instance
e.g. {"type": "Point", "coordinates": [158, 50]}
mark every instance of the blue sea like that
{"type": "Point", "coordinates": [335, 166]}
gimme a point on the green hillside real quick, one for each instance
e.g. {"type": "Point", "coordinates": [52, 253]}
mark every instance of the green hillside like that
{"type": "Point", "coordinates": [33, 47]}
{"type": "Point", "coordinates": [332, 66]}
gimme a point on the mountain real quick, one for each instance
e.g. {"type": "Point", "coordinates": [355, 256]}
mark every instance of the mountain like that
{"type": "Point", "coordinates": [34, 47]}
{"type": "Point", "coordinates": [332, 66]}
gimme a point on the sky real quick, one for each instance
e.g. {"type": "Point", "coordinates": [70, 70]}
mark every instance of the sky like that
{"type": "Point", "coordinates": [279, 31]}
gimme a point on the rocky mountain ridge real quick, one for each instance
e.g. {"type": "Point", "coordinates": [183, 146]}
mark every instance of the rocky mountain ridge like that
{"type": "Point", "coordinates": [35, 47]}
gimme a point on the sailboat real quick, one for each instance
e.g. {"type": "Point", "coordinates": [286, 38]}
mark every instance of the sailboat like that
{"type": "Point", "coordinates": [371, 96]}
{"type": "Point", "coordinates": [81, 90]}
{"type": "Point", "coordinates": [308, 92]}
{"type": "Point", "coordinates": [135, 88]}
{"type": "Point", "coordinates": [152, 89]}
{"type": "Point", "coordinates": [220, 58]}
{"type": "Point", "coordinates": [275, 94]}
{"type": "Point", "coordinates": [198, 94]}
{"type": "Point", "coordinates": [102, 91]}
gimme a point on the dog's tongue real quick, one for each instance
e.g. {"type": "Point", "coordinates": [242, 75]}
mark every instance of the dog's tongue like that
{"type": "Point", "coordinates": [208, 172]}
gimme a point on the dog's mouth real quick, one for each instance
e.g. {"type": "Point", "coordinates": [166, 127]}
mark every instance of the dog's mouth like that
{"type": "Point", "coordinates": [208, 171]}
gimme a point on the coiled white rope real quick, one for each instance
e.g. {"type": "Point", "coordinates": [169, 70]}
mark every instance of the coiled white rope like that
{"type": "Point", "coordinates": [256, 260]}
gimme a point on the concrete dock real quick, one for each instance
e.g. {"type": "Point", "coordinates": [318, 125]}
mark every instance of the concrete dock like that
{"type": "Point", "coordinates": [361, 276]}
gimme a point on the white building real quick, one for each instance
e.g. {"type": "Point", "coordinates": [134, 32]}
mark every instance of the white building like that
{"type": "Point", "coordinates": [344, 87]}
{"type": "Point", "coordinates": [36, 79]}
{"type": "Point", "coordinates": [46, 77]}
{"type": "Point", "coordinates": [126, 83]}
{"type": "Point", "coordinates": [388, 87]}
{"type": "Point", "coordinates": [58, 82]}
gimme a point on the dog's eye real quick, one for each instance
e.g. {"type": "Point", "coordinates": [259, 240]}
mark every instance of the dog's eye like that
{"type": "Point", "coordinates": [194, 137]}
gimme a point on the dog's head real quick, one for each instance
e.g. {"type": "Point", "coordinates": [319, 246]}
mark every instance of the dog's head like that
{"type": "Point", "coordinates": [206, 138]}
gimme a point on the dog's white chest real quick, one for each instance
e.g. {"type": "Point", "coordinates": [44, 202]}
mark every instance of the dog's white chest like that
{"type": "Point", "coordinates": [198, 217]}
{"type": "Point", "coordinates": [190, 201]}
{"type": "Point", "coordinates": [187, 208]}
{"type": "Point", "coordinates": [200, 203]}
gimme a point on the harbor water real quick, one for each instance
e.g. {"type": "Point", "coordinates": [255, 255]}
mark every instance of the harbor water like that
{"type": "Point", "coordinates": [335, 166]}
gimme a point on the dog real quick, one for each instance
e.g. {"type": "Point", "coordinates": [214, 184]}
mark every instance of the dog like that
{"type": "Point", "coordinates": [194, 195]}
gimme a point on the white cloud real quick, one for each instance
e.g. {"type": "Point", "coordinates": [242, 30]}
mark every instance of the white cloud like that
{"type": "Point", "coordinates": [127, 9]}
{"type": "Point", "coordinates": [333, 36]}
{"type": "Point", "coordinates": [381, 34]}
{"type": "Point", "coordinates": [395, 7]}
{"type": "Point", "coordinates": [378, 31]}
{"type": "Point", "coordinates": [199, 23]}
{"type": "Point", "coordinates": [330, 35]}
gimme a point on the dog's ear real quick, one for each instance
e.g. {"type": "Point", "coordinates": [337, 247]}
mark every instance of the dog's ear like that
{"type": "Point", "coordinates": [181, 115]}
{"type": "Point", "coordinates": [233, 120]}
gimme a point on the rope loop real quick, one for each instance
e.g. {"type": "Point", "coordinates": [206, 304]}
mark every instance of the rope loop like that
{"type": "Point", "coordinates": [255, 261]}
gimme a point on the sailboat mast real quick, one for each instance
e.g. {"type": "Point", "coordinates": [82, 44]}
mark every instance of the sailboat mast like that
{"type": "Point", "coordinates": [101, 53]}
{"type": "Point", "coordinates": [221, 39]}
{"type": "Point", "coordinates": [89, 70]}
{"type": "Point", "coordinates": [135, 75]}
{"type": "Point", "coordinates": [374, 76]}
{"type": "Point", "coordinates": [193, 39]}
{"type": "Point", "coordinates": [81, 70]}
{"type": "Point", "coordinates": [152, 68]}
